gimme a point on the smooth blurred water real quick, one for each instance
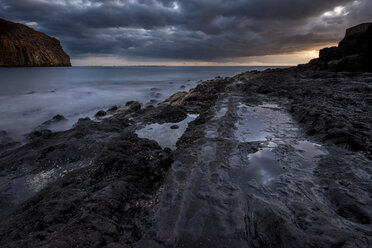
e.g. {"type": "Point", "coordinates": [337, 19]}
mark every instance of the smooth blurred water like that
{"type": "Point", "coordinates": [31, 96]}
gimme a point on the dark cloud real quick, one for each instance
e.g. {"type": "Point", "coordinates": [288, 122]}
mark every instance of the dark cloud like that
{"type": "Point", "coordinates": [203, 30]}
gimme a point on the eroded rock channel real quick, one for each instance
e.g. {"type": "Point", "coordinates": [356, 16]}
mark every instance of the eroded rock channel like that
{"type": "Point", "coordinates": [251, 180]}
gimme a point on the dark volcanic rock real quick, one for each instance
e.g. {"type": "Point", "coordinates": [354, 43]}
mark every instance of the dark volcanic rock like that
{"type": "Point", "coordinates": [133, 105]}
{"type": "Point", "coordinates": [130, 108]}
{"type": "Point", "coordinates": [100, 114]}
{"type": "Point", "coordinates": [112, 109]}
{"type": "Point", "coordinates": [23, 46]}
{"type": "Point", "coordinates": [107, 203]}
{"type": "Point", "coordinates": [332, 106]}
{"type": "Point", "coordinates": [45, 134]}
{"type": "Point", "coordinates": [174, 127]}
{"type": "Point", "coordinates": [56, 119]}
{"type": "Point", "coordinates": [4, 138]}
{"type": "Point", "coordinates": [354, 52]}
{"type": "Point", "coordinates": [170, 114]}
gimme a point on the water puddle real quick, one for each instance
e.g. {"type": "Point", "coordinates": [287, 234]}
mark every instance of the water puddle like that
{"type": "Point", "coordinates": [270, 106]}
{"type": "Point", "coordinates": [251, 126]}
{"type": "Point", "coordinates": [208, 152]}
{"type": "Point", "coordinates": [166, 134]}
{"type": "Point", "coordinates": [262, 166]}
{"type": "Point", "coordinates": [221, 113]}
{"type": "Point", "coordinates": [211, 133]}
{"type": "Point", "coordinates": [279, 137]}
{"type": "Point", "coordinates": [254, 133]}
{"type": "Point", "coordinates": [309, 150]}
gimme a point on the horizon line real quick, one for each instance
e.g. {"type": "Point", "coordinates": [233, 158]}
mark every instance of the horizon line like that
{"type": "Point", "coordinates": [183, 65]}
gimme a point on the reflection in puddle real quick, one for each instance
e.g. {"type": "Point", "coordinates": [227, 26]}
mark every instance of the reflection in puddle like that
{"type": "Point", "coordinates": [278, 135]}
{"type": "Point", "coordinates": [309, 150]}
{"type": "Point", "coordinates": [251, 134]}
{"type": "Point", "coordinates": [271, 144]}
{"type": "Point", "coordinates": [250, 126]}
{"type": "Point", "coordinates": [270, 106]}
{"type": "Point", "coordinates": [208, 152]}
{"type": "Point", "coordinates": [223, 110]}
{"type": "Point", "coordinates": [220, 113]}
{"type": "Point", "coordinates": [263, 167]}
{"type": "Point", "coordinates": [260, 122]}
{"type": "Point", "coordinates": [211, 133]}
{"type": "Point", "coordinates": [164, 134]}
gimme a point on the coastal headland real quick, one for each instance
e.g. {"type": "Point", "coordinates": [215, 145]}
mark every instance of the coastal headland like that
{"type": "Point", "coordinates": [22, 46]}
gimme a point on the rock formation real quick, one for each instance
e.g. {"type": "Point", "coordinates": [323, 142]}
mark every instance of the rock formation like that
{"type": "Point", "coordinates": [23, 46]}
{"type": "Point", "coordinates": [354, 52]}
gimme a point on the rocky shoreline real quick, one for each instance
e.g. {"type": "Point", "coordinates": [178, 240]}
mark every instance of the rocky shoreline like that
{"type": "Point", "coordinates": [106, 182]}
{"type": "Point", "coordinates": [279, 158]}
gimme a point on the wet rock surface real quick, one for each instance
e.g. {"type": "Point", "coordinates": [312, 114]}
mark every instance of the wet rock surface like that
{"type": "Point", "coordinates": [170, 113]}
{"type": "Point", "coordinates": [94, 185]}
{"type": "Point", "coordinates": [333, 107]}
{"type": "Point", "coordinates": [245, 175]}
{"type": "Point", "coordinates": [105, 203]}
{"type": "Point", "coordinates": [81, 187]}
{"type": "Point", "coordinates": [279, 158]}
{"type": "Point", "coordinates": [100, 114]}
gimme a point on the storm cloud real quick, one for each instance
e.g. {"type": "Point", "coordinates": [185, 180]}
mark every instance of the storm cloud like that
{"type": "Point", "coordinates": [188, 30]}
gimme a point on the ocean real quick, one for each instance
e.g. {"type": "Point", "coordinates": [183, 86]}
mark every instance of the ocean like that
{"type": "Point", "coordinates": [31, 96]}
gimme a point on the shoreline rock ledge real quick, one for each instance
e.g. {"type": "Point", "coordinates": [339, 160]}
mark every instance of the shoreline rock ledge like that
{"type": "Point", "coordinates": [23, 46]}
{"type": "Point", "coordinates": [353, 53]}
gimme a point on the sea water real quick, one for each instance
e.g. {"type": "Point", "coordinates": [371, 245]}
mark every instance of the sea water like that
{"type": "Point", "coordinates": [31, 96]}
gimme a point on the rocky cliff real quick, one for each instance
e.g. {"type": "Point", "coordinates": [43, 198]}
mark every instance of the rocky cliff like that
{"type": "Point", "coordinates": [23, 46]}
{"type": "Point", "coordinates": [353, 53]}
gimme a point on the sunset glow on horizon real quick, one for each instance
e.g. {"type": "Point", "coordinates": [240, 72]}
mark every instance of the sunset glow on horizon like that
{"type": "Point", "coordinates": [192, 32]}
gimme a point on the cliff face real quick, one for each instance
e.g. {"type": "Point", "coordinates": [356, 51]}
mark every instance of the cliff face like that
{"type": "Point", "coordinates": [353, 53]}
{"type": "Point", "coordinates": [23, 46]}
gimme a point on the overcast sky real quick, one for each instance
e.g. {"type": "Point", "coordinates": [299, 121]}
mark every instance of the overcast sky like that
{"type": "Point", "coordinates": [125, 32]}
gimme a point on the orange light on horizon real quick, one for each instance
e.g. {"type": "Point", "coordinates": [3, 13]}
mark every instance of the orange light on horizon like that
{"type": "Point", "coordinates": [285, 59]}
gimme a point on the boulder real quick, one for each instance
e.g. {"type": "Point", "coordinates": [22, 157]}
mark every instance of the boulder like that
{"type": "Point", "coordinates": [170, 114]}
{"type": "Point", "coordinates": [100, 114]}
{"type": "Point", "coordinates": [133, 105]}
{"type": "Point", "coordinates": [176, 98]}
{"type": "Point", "coordinates": [129, 108]}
